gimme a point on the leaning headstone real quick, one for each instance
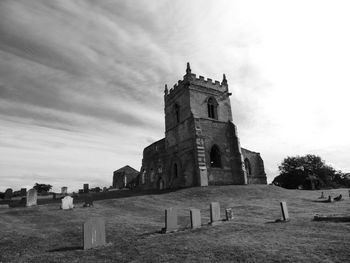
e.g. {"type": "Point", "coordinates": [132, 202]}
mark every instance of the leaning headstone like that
{"type": "Point", "coordinates": [285, 215]}
{"type": "Point", "coordinates": [170, 220]}
{"type": "Point", "coordinates": [229, 214]}
{"type": "Point", "coordinates": [88, 201]}
{"type": "Point", "coordinates": [214, 213]}
{"type": "Point", "coordinates": [195, 218]}
{"type": "Point", "coordinates": [8, 193]}
{"type": "Point", "coordinates": [64, 190]}
{"type": "Point", "coordinates": [23, 192]}
{"type": "Point", "coordinates": [86, 188]}
{"type": "Point", "coordinates": [67, 203]}
{"type": "Point", "coordinates": [32, 197]}
{"type": "Point", "coordinates": [94, 233]}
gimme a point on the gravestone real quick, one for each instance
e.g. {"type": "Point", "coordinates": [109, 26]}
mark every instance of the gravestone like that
{"type": "Point", "coordinates": [322, 196]}
{"type": "Point", "coordinates": [32, 197]}
{"type": "Point", "coordinates": [195, 218]}
{"type": "Point", "coordinates": [88, 201]}
{"type": "Point", "coordinates": [86, 188]}
{"type": "Point", "coordinates": [285, 215]}
{"type": "Point", "coordinates": [23, 192]}
{"type": "Point", "coordinates": [94, 233]}
{"type": "Point", "coordinates": [8, 193]}
{"type": "Point", "coordinates": [229, 214]}
{"type": "Point", "coordinates": [214, 213]}
{"type": "Point", "coordinates": [67, 203]}
{"type": "Point", "coordinates": [170, 220]}
{"type": "Point", "coordinates": [64, 190]}
{"type": "Point", "coordinates": [330, 199]}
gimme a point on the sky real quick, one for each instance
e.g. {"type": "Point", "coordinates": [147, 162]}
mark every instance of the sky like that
{"type": "Point", "coordinates": [81, 82]}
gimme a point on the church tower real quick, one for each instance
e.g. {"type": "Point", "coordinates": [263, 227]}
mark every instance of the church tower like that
{"type": "Point", "coordinates": [201, 142]}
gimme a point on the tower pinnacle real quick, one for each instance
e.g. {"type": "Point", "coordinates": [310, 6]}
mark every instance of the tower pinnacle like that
{"type": "Point", "coordinates": [224, 80]}
{"type": "Point", "coordinates": [188, 69]}
{"type": "Point", "coordinates": [166, 89]}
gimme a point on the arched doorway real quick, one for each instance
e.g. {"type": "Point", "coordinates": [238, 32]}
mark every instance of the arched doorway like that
{"type": "Point", "coordinates": [215, 157]}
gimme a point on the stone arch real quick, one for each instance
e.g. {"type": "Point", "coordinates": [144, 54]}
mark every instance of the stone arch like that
{"type": "Point", "coordinates": [215, 156]}
{"type": "Point", "coordinates": [161, 184]}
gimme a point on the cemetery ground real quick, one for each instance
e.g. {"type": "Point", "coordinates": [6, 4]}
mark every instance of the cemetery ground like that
{"type": "Point", "coordinates": [47, 234]}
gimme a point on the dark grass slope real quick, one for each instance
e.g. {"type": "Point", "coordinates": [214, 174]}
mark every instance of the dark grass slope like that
{"type": "Point", "coordinates": [47, 234]}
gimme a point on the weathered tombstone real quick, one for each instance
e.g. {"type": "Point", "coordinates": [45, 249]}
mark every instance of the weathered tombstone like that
{"type": "Point", "coordinates": [23, 192]}
{"type": "Point", "coordinates": [214, 213]}
{"type": "Point", "coordinates": [229, 214]}
{"type": "Point", "coordinates": [322, 196]}
{"type": "Point", "coordinates": [195, 218]}
{"type": "Point", "coordinates": [32, 197]}
{"type": "Point", "coordinates": [285, 215]}
{"type": "Point", "coordinates": [94, 233]}
{"type": "Point", "coordinates": [88, 201]}
{"type": "Point", "coordinates": [86, 188]}
{"type": "Point", "coordinates": [330, 199]}
{"type": "Point", "coordinates": [64, 190]}
{"type": "Point", "coordinates": [170, 220]}
{"type": "Point", "coordinates": [8, 193]}
{"type": "Point", "coordinates": [67, 203]}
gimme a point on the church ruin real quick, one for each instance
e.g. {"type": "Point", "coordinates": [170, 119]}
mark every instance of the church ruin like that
{"type": "Point", "coordinates": [201, 146]}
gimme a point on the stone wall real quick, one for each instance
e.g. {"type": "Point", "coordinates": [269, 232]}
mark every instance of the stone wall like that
{"type": "Point", "coordinates": [254, 167]}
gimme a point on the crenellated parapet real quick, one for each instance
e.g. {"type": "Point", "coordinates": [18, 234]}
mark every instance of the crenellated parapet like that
{"type": "Point", "coordinates": [191, 79]}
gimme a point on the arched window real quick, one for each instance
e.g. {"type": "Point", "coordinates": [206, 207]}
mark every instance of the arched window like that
{"type": "Point", "coordinates": [212, 108]}
{"type": "Point", "coordinates": [176, 172]}
{"type": "Point", "coordinates": [143, 176]}
{"type": "Point", "coordinates": [215, 157]}
{"type": "Point", "coordinates": [152, 175]}
{"type": "Point", "coordinates": [248, 168]}
{"type": "Point", "coordinates": [177, 112]}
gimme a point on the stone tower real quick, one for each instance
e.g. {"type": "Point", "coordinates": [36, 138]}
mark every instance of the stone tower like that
{"type": "Point", "coordinates": [201, 145]}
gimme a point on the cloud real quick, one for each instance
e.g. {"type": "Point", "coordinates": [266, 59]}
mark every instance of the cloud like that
{"type": "Point", "coordinates": [81, 82]}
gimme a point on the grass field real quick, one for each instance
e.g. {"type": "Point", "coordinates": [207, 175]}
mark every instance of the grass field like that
{"type": "Point", "coordinates": [47, 234]}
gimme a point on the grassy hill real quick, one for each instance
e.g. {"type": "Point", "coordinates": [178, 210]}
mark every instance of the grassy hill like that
{"type": "Point", "coordinates": [47, 234]}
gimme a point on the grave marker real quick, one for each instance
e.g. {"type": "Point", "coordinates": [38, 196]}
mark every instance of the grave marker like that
{"type": "Point", "coordinates": [170, 220]}
{"type": "Point", "coordinates": [285, 215]}
{"type": "Point", "coordinates": [88, 201]}
{"type": "Point", "coordinates": [32, 197]}
{"type": "Point", "coordinates": [214, 213]}
{"type": "Point", "coordinates": [67, 203]}
{"type": "Point", "coordinates": [229, 214]}
{"type": "Point", "coordinates": [195, 218]}
{"type": "Point", "coordinates": [94, 233]}
{"type": "Point", "coordinates": [330, 199]}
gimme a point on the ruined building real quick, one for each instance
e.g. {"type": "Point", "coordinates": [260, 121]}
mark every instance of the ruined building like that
{"type": "Point", "coordinates": [201, 145]}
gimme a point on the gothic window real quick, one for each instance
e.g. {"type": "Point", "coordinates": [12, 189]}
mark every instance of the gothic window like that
{"type": "Point", "coordinates": [248, 168]}
{"type": "Point", "coordinates": [177, 112]}
{"type": "Point", "coordinates": [152, 175]}
{"type": "Point", "coordinates": [215, 157]}
{"type": "Point", "coordinates": [212, 108]}
{"type": "Point", "coordinates": [143, 176]}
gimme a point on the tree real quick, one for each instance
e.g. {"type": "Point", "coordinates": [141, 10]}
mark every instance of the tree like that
{"type": "Point", "coordinates": [42, 188]}
{"type": "Point", "coordinates": [308, 171]}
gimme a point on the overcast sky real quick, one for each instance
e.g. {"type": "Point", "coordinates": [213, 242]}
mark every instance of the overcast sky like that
{"type": "Point", "coordinates": [81, 82]}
